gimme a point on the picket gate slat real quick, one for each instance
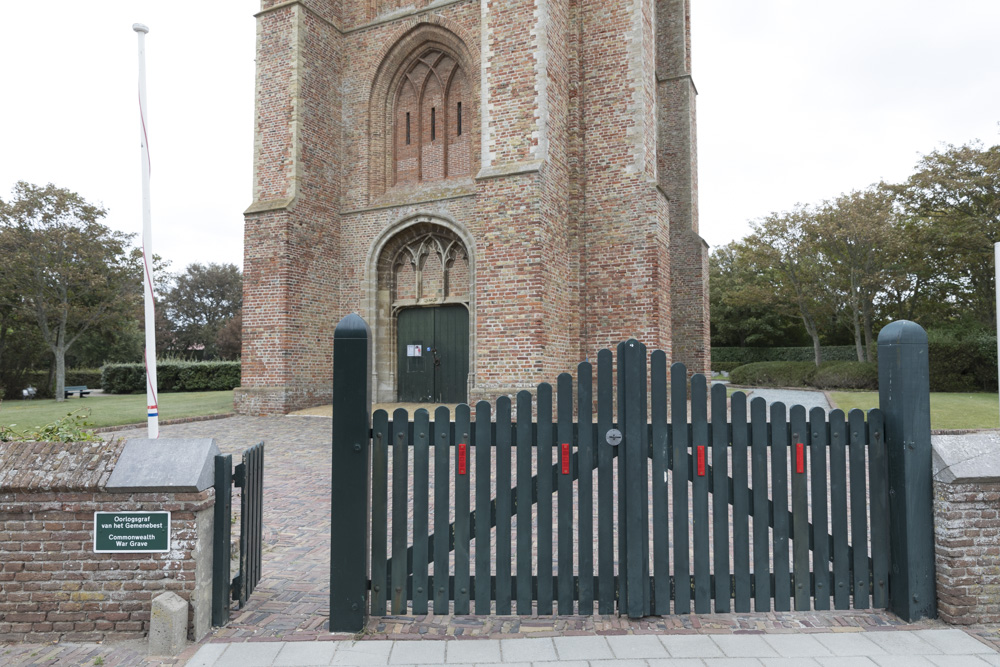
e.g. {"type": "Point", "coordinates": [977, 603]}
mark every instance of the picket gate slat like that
{"type": "Point", "coordinates": [859, 508]}
{"type": "Point", "coordinates": [761, 514]}
{"type": "Point", "coordinates": [838, 510]}
{"type": "Point", "coordinates": [484, 473]}
{"type": "Point", "coordinates": [679, 479]}
{"type": "Point", "coordinates": [524, 508]}
{"type": "Point", "coordinates": [800, 507]}
{"type": "Point", "coordinates": [779, 493]}
{"type": "Point", "coordinates": [400, 510]}
{"type": "Point", "coordinates": [818, 486]}
{"type": "Point", "coordinates": [543, 511]}
{"type": "Point", "coordinates": [503, 464]}
{"type": "Point", "coordinates": [585, 487]}
{"type": "Point", "coordinates": [463, 432]}
{"type": "Point", "coordinates": [720, 498]}
{"type": "Point", "coordinates": [661, 509]}
{"type": "Point", "coordinates": [421, 514]}
{"type": "Point", "coordinates": [699, 495]}
{"type": "Point", "coordinates": [605, 486]}
{"type": "Point", "coordinates": [879, 481]}
{"type": "Point", "coordinates": [564, 508]}
{"type": "Point", "coordinates": [741, 505]}
{"type": "Point", "coordinates": [635, 493]}
{"type": "Point", "coordinates": [380, 501]}
{"type": "Point", "coordinates": [442, 503]}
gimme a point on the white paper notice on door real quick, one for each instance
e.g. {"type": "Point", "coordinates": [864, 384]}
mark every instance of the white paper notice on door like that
{"type": "Point", "coordinates": [413, 350]}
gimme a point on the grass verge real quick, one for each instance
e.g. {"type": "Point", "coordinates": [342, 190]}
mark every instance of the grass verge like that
{"type": "Point", "coordinates": [114, 409]}
{"type": "Point", "coordinates": [948, 410]}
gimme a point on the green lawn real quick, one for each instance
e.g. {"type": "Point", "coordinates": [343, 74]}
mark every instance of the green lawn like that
{"type": "Point", "coordinates": [114, 409]}
{"type": "Point", "coordinates": [948, 411]}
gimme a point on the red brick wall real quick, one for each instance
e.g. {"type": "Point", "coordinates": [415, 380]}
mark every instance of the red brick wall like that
{"type": "Point", "coordinates": [967, 551]}
{"type": "Point", "coordinates": [53, 587]}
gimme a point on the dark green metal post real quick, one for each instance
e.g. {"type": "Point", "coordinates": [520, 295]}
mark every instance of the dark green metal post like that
{"type": "Point", "coordinates": [222, 549]}
{"type": "Point", "coordinates": [904, 398]}
{"type": "Point", "coordinates": [351, 481]}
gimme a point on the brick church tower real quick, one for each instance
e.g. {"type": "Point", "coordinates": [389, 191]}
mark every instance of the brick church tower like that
{"type": "Point", "coordinates": [499, 187]}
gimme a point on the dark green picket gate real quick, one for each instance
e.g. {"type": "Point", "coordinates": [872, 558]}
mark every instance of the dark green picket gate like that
{"type": "Point", "coordinates": [791, 512]}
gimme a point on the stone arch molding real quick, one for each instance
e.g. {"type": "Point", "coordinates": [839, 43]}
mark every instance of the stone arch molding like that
{"type": "Point", "coordinates": [405, 50]}
{"type": "Point", "coordinates": [421, 244]}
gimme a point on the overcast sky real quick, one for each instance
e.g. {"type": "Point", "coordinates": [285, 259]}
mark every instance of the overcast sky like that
{"type": "Point", "coordinates": [799, 100]}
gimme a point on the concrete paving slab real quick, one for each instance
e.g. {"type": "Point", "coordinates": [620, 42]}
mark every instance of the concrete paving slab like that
{"type": "Point", "coordinates": [503, 664]}
{"type": "Point", "coordinates": [363, 653]}
{"type": "Point", "coordinates": [966, 660]}
{"type": "Point", "coordinates": [617, 662]}
{"type": "Point", "coordinates": [953, 641]}
{"type": "Point", "coordinates": [691, 646]}
{"type": "Point", "coordinates": [305, 654]}
{"type": "Point", "coordinates": [249, 654]}
{"type": "Point", "coordinates": [582, 648]}
{"type": "Point", "coordinates": [796, 646]}
{"type": "Point", "coordinates": [675, 662]}
{"type": "Point", "coordinates": [636, 646]}
{"type": "Point", "coordinates": [732, 662]}
{"type": "Point", "coordinates": [991, 658]}
{"type": "Point", "coordinates": [744, 646]}
{"type": "Point", "coordinates": [207, 655]}
{"type": "Point", "coordinates": [903, 643]}
{"type": "Point", "coordinates": [417, 653]}
{"type": "Point", "coordinates": [473, 650]}
{"type": "Point", "coordinates": [529, 649]}
{"type": "Point", "coordinates": [849, 643]}
{"type": "Point", "coordinates": [846, 661]}
{"type": "Point", "coordinates": [902, 661]}
{"type": "Point", "coordinates": [788, 662]}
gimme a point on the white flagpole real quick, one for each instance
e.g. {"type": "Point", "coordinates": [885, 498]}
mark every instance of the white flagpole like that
{"type": "Point", "coordinates": [152, 411]}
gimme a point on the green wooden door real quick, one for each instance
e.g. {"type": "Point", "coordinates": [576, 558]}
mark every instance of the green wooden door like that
{"type": "Point", "coordinates": [433, 354]}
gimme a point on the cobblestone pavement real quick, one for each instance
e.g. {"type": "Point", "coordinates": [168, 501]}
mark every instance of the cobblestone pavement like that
{"type": "Point", "coordinates": [291, 601]}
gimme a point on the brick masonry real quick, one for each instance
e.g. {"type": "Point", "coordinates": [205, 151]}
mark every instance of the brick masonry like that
{"type": "Point", "coordinates": [572, 187]}
{"type": "Point", "coordinates": [967, 550]}
{"type": "Point", "coordinates": [54, 587]}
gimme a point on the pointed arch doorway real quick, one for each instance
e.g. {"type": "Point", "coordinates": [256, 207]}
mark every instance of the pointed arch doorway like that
{"type": "Point", "coordinates": [433, 354]}
{"type": "Point", "coordinates": [424, 311]}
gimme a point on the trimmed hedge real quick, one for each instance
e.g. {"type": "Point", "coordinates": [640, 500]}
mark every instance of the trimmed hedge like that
{"type": "Point", "coordinates": [749, 355]}
{"type": "Point", "coordinates": [172, 376]}
{"type": "Point", "coordinates": [87, 377]}
{"type": "Point", "coordinates": [774, 374]}
{"type": "Point", "coordinates": [830, 375]}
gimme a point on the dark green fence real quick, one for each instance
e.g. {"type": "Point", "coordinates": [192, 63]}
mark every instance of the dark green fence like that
{"type": "Point", "coordinates": [491, 513]}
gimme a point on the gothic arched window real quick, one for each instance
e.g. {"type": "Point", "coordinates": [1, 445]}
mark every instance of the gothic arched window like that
{"type": "Point", "coordinates": [430, 125]}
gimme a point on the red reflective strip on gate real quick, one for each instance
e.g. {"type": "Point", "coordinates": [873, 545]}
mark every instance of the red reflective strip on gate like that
{"type": "Point", "coordinates": [800, 457]}
{"type": "Point", "coordinates": [565, 458]}
{"type": "Point", "coordinates": [701, 460]}
{"type": "Point", "coordinates": [461, 458]}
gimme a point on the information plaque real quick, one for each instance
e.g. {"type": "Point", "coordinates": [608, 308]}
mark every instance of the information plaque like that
{"type": "Point", "coordinates": [131, 532]}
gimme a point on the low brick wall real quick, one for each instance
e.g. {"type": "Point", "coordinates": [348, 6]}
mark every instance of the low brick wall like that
{"type": "Point", "coordinates": [54, 587]}
{"type": "Point", "coordinates": [967, 527]}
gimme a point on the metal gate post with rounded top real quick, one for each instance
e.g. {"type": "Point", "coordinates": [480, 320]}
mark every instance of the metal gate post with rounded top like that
{"type": "Point", "coordinates": [351, 479]}
{"type": "Point", "coordinates": [904, 398]}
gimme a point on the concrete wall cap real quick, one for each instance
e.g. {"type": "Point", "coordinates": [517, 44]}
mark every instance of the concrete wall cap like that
{"type": "Point", "coordinates": [179, 465]}
{"type": "Point", "coordinates": [969, 457]}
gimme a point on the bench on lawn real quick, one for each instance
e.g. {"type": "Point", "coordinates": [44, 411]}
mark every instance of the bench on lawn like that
{"type": "Point", "coordinates": [82, 390]}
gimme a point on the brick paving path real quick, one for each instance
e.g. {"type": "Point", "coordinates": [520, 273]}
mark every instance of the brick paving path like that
{"type": "Point", "coordinates": [291, 601]}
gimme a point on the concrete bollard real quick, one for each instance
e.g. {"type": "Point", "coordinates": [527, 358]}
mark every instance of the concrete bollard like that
{"type": "Point", "coordinates": [168, 624]}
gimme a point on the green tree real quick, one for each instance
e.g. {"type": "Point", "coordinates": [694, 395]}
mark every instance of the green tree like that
{"type": "Point", "coordinates": [857, 234]}
{"type": "Point", "coordinates": [74, 273]}
{"type": "Point", "coordinates": [786, 242]}
{"type": "Point", "coordinates": [744, 305]}
{"type": "Point", "coordinates": [954, 202]}
{"type": "Point", "coordinates": [199, 305]}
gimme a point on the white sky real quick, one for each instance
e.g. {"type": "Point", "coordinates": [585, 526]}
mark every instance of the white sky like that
{"type": "Point", "coordinates": [799, 101]}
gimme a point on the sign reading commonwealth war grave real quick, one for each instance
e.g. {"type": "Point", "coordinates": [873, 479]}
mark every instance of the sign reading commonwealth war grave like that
{"type": "Point", "coordinates": [131, 532]}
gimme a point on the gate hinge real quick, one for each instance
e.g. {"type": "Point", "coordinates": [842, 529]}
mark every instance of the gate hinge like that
{"type": "Point", "coordinates": [240, 475]}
